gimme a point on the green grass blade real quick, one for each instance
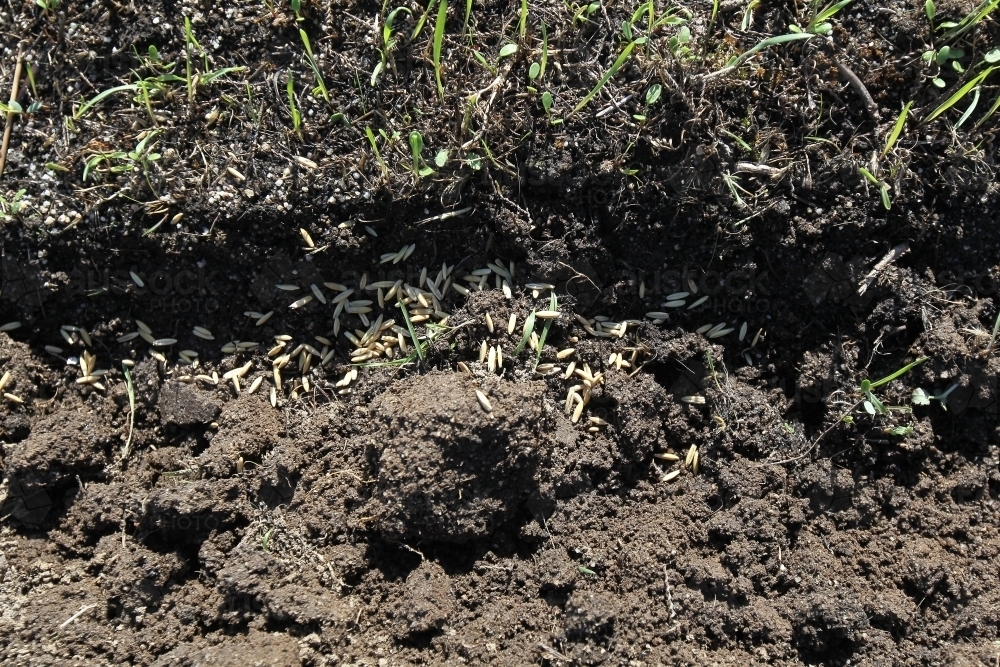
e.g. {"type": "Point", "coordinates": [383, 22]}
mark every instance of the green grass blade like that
{"type": "Point", "coordinates": [545, 53]}
{"type": "Point", "coordinates": [438, 40]}
{"type": "Point", "coordinates": [86, 106]}
{"type": "Point", "coordinates": [529, 327]}
{"type": "Point", "coordinates": [607, 75]}
{"type": "Point", "coordinates": [209, 77]}
{"type": "Point", "coordinates": [413, 332]}
{"type": "Point", "coordinates": [972, 107]}
{"type": "Point", "coordinates": [772, 41]}
{"type": "Point", "coordinates": [959, 94]}
{"type": "Point", "coordinates": [553, 305]}
{"type": "Point", "coordinates": [423, 20]}
{"type": "Point", "coordinates": [468, 15]}
{"type": "Point", "coordinates": [897, 129]}
{"type": "Point", "coordinates": [988, 114]}
{"type": "Point", "coordinates": [830, 11]}
{"type": "Point", "coordinates": [522, 21]}
{"type": "Point", "coordinates": [902, 371]}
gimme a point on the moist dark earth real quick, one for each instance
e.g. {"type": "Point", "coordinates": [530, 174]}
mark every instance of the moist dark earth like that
{"type": "Point", "coordinates": [733, 245]}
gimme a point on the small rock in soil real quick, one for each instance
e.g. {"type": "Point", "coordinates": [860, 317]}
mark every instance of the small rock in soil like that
{"type": "Point", "coordinates": [181, 404]}
{"type": "Point", "coordinates": [3, 567]}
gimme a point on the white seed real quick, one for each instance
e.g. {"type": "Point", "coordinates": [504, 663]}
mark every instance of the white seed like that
{"type": "Point", "coordinates": [371, 231]}
{"type": "Point", "coordinates": [306, 162]}
{"type": "Point", "coordinates": [159, 357]}
{"type": "Point", "coordinates": [756, 339]}
{"type": "Point", "coordinates": [703, 329]}
{"type": "Point", "coordinates": [743, 331]}
{"type": "Point", "coordinates": [577, 412]}
{"type": "Point", "coordinates": [10, 326]}
{"type": "Point", "coordinates": [491, 363]}
{"type": "Point", "coordinates": [698, 302]}
{"type": "Point", "coordinates": [232, 171]}
{"type": "Point", "coordinates": [674, 304]}
{"type": "Point", "coordinates": [692, 452]}
{"type": "Point", "coordinates": [461, 290]}
{"type": "Point", "coordinates": [642, 290]}
{"type": "Point", "coordinates": [720, 333]}
{"type": "Point", "coordinates": [489, 322]}
{"type": "Point", "coordinates": [657, 315]}
{"type": "Point", "coordinates": [288, 287]}
{"type": "Point", "coordinates": [4, 380]}
{"type": "Point", "coordinates": [318, 293]}
{"type": "Point", "coordinates": [336, 287]}
{"type": "Point", "coordinates": [229, 348]}
{"type": "Point", "coordinates": [539, 286]}
{"type": "Point", "coordinates": [86, 337]}
{"type": "Point", "coordinates": [597, 421]}
{"type": "Point", "coordinates": [548, 314]}
{"type": "Point", "coordinates": [507, 293]}
{"type": "Point", "coordinates": [670, 476]}
{"type": "Point", "coordinates": [694, 400]}
{"type": "Point", "coordinates": [190, 353]}
{"type": "Point", "coordinates": [678, 295]}
{"type": "Point", "coordinates": [274, 397]}
{"type": "Point", "coordinates": [142, 327]}
{"type": "Point", "coordinates": [52, 349]}
{"type": "Point", "coordinates": [136, 279]}
{"type": "Point", "coordinates": [247, 345]}
{"type": "Point", "coordinates": [462, 366]}
{"type": "Point", "coordinates": [264, 318]}
{"type": "Point", "coordinates": [483, 351]}
{"type": "Point", "coordinates": [483, 401]}
{"type": "Point", "coordinates": [673, 458]}
{"type": "Point", "coordinates": [164, 342]}
{"type": "Point", "coordinates": [255, 385]}
{"type": "Point", "coordinates": [203, 333]}
{"type": "Point", "coordinates": [128, 362]}
{"type": "Point", "coordinates": [305, 383]}
{"type": "Point", "coordinates": [569, 370]}
{"type": "Point", "coordinates": [511, 323]}
{"type": "Point", "coordinates": [342, 297]}
{"type": "Point", "coordinates": [300, 302]}
{"type": "Point", "coordinates": [307, 238]}
{"type": "Point", "coordinates": [12, 398]}
{"type": "Point", "coordinates": [127, 337]}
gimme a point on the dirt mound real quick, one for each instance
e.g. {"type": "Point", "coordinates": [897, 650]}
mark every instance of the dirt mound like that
{"type": "Point", "coordinates": [446, 469]}
{"type": "Point", "coordinates": [62, 449]}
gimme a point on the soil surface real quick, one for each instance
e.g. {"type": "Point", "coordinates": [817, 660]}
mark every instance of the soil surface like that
{"type": "Point", "coordinates": [589, 335]}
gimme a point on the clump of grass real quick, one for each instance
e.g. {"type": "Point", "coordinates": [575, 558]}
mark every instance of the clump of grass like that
{"type": "Point", "coordinates": [438, 41]}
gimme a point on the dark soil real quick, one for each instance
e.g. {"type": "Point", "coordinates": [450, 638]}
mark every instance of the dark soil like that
{"type": "Point", "coordinates": [164, 517]}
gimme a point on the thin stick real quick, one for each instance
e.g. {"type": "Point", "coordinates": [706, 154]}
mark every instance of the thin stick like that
{"type": "Point", "coordinates": [889, 258]}
{"type": "Point", "coordinates": [10, 114]}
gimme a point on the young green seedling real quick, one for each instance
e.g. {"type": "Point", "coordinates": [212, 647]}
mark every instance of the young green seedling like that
{"type": "Point", "coordinates": [420, 168]}
{"type": "Point", "coordinates": [819, 23]}
{"type": "Point", "coordinates": [882, 186]}
{"type": "Point", "coordinates": [529, 327]}
{"type": "Point", "coordinates": [293, 110]}
{"type": "Point", "coordinates": [871, 403]}
{"type": "Point", "coordinates": [553, 305]}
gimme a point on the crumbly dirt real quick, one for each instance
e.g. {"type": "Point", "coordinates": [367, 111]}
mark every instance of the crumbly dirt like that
{"type": "Point", "coordinates": [724, 497]}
